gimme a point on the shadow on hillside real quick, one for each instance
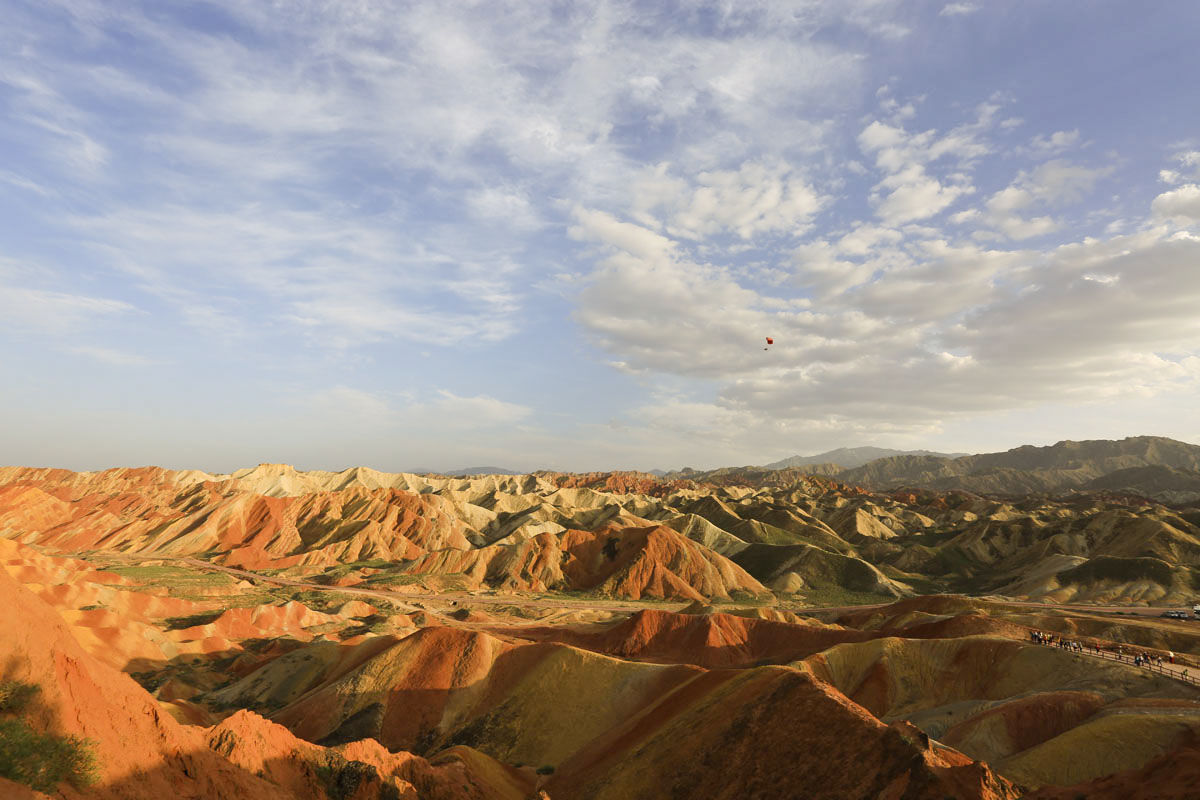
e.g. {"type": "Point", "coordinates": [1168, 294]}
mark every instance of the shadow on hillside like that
{"type": "Point", "coordinates": [206, 775]}
{"type": "Point", "coordinates": [701, 640]}
{"type": "Point", "coordinates": [211, 671]}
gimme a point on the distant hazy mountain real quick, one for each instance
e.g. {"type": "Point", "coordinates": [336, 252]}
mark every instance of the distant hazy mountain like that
{"type": "Point", "coordinates": [848, 457]}
{"type": "Point", "coordinates": [459, 473]}
{"type": "Point", "coordinates": [1060, 467]}
{"type": "Point", "coordinates": [465, 471]}
{"type": "Point", "coordinates": [1167, 484]}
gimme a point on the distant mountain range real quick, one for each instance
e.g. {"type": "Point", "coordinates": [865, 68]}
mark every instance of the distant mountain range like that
{"type": "Point", "coordinates": [1149, 466]}
{"type": "Point", "coordinates": [467, 471]}
{"type": "Point", "coordinates": [848, 457]}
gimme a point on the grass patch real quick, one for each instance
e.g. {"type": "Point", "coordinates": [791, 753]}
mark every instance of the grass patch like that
{"type": "Point", "coordinates": [744, 598]}
{"type": "Point", "coordinates": [179, 623]}
{"type": "Point", "coordinates": [837, 596]}
{"type": "Point", "coordinates": [1112, 568]}
{"type": "Point", "coordinates": [342, 778]}
{"type": "Point", "coordinates": [341, 570]}
{"type": "Point", "coordinates": [39, 760]}
{"type": "Point", "coordinates": [394, 579]}
{"type": "Point", "coordinates": [319, 599]}
{"type": "Point", "coordinates": [180, 582]}
{"type": "Point", "coordinates": [16, 696]}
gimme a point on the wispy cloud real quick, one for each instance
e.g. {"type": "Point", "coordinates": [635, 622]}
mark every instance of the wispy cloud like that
{"type": "Point", "coordinates": [958, 9]}
{"type": "Point", "coordinates": [114, 357]}
{"type": "Point", "coordinates": [38, 310]}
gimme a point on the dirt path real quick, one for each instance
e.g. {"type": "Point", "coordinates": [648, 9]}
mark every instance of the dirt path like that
{"type": "Point", "coordinates": [1180, 672]}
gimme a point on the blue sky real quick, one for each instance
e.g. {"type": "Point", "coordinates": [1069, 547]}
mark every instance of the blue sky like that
{"type": "Point", "coordinates": [432, 235]}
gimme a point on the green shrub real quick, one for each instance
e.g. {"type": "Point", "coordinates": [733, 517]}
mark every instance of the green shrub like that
{"type": "Point", "coordinates": [203, 618]}
{"type": "Point", "coordinates": [42, 760]}
{"type": "Point", "coordinates": [15, 696]}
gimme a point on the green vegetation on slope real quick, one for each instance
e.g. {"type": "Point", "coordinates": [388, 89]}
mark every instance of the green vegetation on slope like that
{"type": "Point", "coordinates": [39, 760]}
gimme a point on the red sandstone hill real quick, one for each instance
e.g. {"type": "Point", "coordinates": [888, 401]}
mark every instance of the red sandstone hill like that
{"type": "Point", "coordinates": [622, 562]}
{"type": "Point", "coordinates": [709, 640]}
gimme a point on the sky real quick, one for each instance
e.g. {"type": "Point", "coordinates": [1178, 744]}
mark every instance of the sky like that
{"type": "Point", "coordinates": [433, 235]}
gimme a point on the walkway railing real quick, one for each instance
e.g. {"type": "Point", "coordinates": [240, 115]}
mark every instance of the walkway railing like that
{"type": "Point", "coordinates": [1175, 671]}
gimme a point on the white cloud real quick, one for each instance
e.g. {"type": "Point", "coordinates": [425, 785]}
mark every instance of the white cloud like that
{"type": "Point", "coordinates": [1056, 142]}
{"type": "Point", "coordinates": [504, 207]}
{"type": "Point", "coordinates": [1004, 213]}
{"type": "Point", "coordinates": [752, 200]}
{"type": "Point", "coordinates": [340, 280]}
{"type": "Point", "coordinates": [908, 191]}
{"type": "Point", "coordinates": [440, 410]}
{"type": "Point", "coordinates": [633, 239]}
{"type": "Point", "coordinates": [908, 326]}
{"type": "Point", "coordinates": [958, 9]}
{"type": "Point", "coordinates": [26, 309]}
{"type": "Point", "coordinates": [1060, 181]}
{"type": "Point", "coordinates": [278, 184]}
{"type": "Point", "coordinates": [915, 195]}
{"type": "Point", "coordinates": [114, 357]}
{"type": "Point", "coordinates": [479, 411]}
{"type": "Point", "coordinates": [1181, 204]}
{"type": "Point", "coordinates": [21, 182]}
{"type": "Point", "coordinates": [1053, 183]}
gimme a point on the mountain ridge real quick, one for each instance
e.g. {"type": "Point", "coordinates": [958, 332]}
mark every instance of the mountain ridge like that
{"type": "Point", "coordinates": [850, 457]}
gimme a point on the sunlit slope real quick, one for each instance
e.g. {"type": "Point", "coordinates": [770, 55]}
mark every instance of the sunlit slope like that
{"type": "Point", "coordinates": [1023, 708]}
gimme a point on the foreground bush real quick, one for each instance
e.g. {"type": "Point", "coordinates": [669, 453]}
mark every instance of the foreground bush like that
{"type": "Point", "coordinates": [42, 760]}
{"type": "Point", "coordinates": [15, 696]}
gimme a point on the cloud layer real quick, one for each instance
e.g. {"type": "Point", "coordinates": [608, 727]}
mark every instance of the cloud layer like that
{"type": "Point", "coordinates": [459, 214]}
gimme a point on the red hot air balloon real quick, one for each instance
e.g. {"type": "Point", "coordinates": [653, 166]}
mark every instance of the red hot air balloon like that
{"type": "Point", "coordinates": [770, 340]}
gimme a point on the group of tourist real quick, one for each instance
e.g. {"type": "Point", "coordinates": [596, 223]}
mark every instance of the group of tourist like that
{"type": "Point", "coordinates": [1040, 637]}
{"type": "Point", "coordinates": [1139, 658]}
